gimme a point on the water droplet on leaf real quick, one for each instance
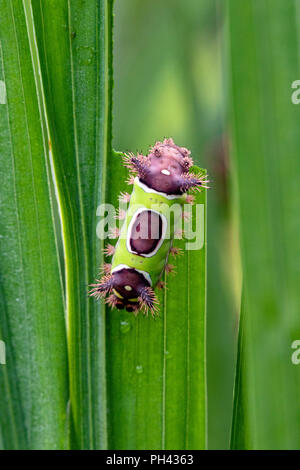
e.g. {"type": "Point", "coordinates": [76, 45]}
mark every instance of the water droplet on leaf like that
{"type": "Point", "coordinates": [86, 54]}
{"type": "Point", "coordinates": [139, 369]}
{"type": "Point", "coordinates": [125, 326]}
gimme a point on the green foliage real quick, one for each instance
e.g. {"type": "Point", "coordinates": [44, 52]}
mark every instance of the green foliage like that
{"type": "Point", "coordinates": [264, 58]}
{"type": "Point", "coordinates": [156, 367]}
{"type": "Point", "coordinates": [74, 40]}
{"type": "Point", "coordinates": [169, 83]}
{"type": "Point", "coordinates": [33, 383]}
{"type": "Point", "coordinates": [103, 380]}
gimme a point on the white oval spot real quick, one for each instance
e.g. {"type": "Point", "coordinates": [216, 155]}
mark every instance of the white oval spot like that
{"type": "Point", "coordinates": [128, 288]}
{"type": "Point", "coordinates": [165, 172]}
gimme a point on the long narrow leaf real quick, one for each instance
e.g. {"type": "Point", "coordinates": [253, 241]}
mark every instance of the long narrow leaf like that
{"type": "Point", "coordinates": [264, 38]}
{"type": "Point", "coordinates": [74, 41]}
{"type": "Point", "coordinates": [33, 382]}
{"type": "Point", "coordinates": [156, 367]}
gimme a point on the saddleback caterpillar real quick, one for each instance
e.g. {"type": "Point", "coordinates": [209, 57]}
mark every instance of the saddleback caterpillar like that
{"type": "Point", "coordinates": [140, 257]}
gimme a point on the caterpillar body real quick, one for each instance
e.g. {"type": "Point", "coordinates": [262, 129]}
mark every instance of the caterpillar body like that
{"type": "Point", "coordinates": [140, 257]}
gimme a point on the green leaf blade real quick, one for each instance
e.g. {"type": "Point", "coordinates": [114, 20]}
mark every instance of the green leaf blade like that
{"type": "Point", "coordinates": [264, 63]}
{"type": "Point", "coordinates": [156, 367]}
{"type": "Point", "coordinates": [74, 41]}
{"type": "Point", "coordinates": [34, 404]}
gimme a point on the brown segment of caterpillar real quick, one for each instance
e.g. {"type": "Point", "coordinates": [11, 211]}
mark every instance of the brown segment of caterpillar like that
{"type": "Point", "coordinates": [126, 288]}
{"type": "Point", "coordinates": [165, 169]}
{"type": "Point", "coordinates": [186, 161]}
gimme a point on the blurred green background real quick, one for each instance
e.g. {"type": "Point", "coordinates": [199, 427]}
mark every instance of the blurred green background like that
{"type": "Point", "coordinates": [170, 69]}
